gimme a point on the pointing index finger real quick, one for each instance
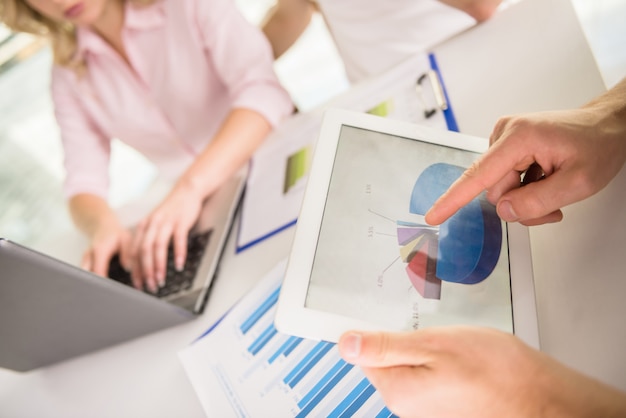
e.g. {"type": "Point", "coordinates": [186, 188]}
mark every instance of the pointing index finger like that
{"type": "Point", "coordinates": [485, 172]}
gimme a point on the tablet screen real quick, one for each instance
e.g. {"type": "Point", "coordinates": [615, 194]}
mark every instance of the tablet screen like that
{"type": "Point", "coordinates": [376, 259]}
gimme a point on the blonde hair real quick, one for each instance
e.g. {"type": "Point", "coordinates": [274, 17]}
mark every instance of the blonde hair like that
{"type": "Point", "coordinates": [18, 16]}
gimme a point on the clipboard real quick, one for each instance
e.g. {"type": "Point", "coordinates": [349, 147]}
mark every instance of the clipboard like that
{"type": "Point", "coordinates": [413, 92]}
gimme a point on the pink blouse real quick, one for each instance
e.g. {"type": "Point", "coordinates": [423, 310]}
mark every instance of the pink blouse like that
{"type": "Point", "coordinates": [192, 62]}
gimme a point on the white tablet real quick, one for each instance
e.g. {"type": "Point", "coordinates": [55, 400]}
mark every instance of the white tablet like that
{"type": "Point", "coordinates": [363, 256]}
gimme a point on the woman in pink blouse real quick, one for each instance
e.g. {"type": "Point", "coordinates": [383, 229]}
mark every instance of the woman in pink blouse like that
{"type": "Point", "coordinates": [188, 83]}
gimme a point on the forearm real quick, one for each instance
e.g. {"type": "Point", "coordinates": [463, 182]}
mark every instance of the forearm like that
{"type": "Point", "coordinates": [609, 118]}
{"type": "Point", "coordinates": [613, 100]}
{"type": "Point", "coordinates": [564, 392]}
{"type": "Point", "coordinates": [285, 22]}
{"type": "Point", "coordinates": [241, 134]}
{"type": "Point", "coordinates": [90, 212]}
{"type": "Point", "coordinates": [611, 109]}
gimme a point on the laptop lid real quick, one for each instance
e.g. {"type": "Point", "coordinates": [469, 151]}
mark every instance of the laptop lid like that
{"type": "Point", "coordinates": [51, 311]}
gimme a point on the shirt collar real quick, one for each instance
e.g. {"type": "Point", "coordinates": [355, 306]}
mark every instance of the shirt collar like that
{"type": "Point", "coordinates": [136, 18]}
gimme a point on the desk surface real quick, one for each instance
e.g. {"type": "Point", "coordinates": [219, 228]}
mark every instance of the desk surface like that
{"type": "Point", "coordinates": [579, 264]}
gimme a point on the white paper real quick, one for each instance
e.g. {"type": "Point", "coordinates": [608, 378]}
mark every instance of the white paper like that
{"type": "Point", "coordinates": [237, 372]}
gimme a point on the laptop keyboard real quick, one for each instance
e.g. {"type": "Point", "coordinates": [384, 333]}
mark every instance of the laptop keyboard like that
{"type": "Point", "coordinates": [175, 281]}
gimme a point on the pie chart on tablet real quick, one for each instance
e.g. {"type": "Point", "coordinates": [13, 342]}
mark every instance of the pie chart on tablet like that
{"type": "Point", "coordinates": [464, 249]}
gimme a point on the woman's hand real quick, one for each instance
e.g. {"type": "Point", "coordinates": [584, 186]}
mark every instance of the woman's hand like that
{"type": "Point", "coordinates": [107, 236]}
{"type": "Point", "coordinates": [169, 223]}
{"type": "Point", "coordinates": [240, 135]}
{"type": "Point", "coordinates": [107, 241]}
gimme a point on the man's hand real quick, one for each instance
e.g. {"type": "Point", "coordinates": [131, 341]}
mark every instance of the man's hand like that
{"type": "Point", "coordinates": [474, 372]}
{"type": "Point", "coordinates": [539, 163]}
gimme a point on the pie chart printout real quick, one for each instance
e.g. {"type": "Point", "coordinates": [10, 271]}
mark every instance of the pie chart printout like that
{"type": "Point", "coordinates": [464, 249]}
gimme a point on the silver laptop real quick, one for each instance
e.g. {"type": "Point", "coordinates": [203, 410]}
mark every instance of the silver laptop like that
{"type": "Point", "coordinates": [51, 311]}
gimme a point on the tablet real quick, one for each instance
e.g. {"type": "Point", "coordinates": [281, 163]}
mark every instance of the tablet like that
{"type": "Point", "coordinates": [364, 258]}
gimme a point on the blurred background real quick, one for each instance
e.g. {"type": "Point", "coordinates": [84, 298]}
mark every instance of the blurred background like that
{"type": "Point", "coordinates": [32, 208]}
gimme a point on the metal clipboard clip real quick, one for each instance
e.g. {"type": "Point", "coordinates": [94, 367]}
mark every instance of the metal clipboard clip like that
{"type": "Point", "coordinates": [431, 78]}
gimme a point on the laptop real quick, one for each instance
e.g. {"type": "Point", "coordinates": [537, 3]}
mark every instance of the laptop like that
{"type": "Point", "coordinates": [52, 311]}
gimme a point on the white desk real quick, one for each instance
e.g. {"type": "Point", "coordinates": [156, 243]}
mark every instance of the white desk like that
{"type": "Point", "coordinates": [579, 264]}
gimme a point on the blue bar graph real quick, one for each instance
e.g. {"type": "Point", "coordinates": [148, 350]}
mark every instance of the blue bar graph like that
{"type": "Point", "coordinates": [262, 339]}
{"type": "Point", "coordinates": [252, 367]}
{"type": "Point", "coordinates": [339, 393]}
{"type": "Point", "coordinates": [348, 400]}
{"type": "Point", "coordinates": [360, 400]}
{"type": "Point", "coordinates": [293, 345]}
{"type": "Point", "coordinates": [307, 363]}
{"type": "Point", "coordinates": [285, 349]}
{"type": "Point", "coordinates": [385, 413]}
{"type": "Point", "coordinates": [260, 311]}
{"type": "Point", "coordinates": [320, 371]}
{"type": "Point", "coordinates": [279, 375]}
{"type": "Point", "coordinates": [348, 396]}
{"type": "Point", "coordinates": [324, 391]}
{"type": "Point", "coordinates": [306, 369]}
{"type": "Point", "coordinates": [322, 383]}
{"type": "Point", "coordinates": [262, 361]}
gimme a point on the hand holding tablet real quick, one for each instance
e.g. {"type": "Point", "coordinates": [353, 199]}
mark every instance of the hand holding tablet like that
{"type": "Point", "coordinates": [364, 258]}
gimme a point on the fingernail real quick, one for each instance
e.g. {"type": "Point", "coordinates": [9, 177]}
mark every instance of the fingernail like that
{"type": "Point", "coordinates": [506, 212]}
{"type": "Point", "coordinates": [180, 264]}
{"type": "Point", "coordinates": [427, 214]}
{"type": "Point", "coordinates": [152, 286]}
{"type": "Point", "coordinates": [351, 345]}
{"type": "Point", "coordinates": [160, 279]}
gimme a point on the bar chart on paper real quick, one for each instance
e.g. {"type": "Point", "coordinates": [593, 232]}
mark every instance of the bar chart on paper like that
{"type": "Point", "coordinates": [244, 367]}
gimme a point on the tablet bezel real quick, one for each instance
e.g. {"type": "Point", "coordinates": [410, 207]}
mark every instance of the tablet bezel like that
{"type": "Point", "coordinates": [293, 317]}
